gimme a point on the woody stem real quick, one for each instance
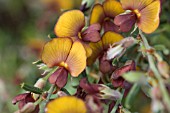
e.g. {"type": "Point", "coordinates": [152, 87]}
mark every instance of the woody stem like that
{"type": "Point", "coordinates": [165, 96]}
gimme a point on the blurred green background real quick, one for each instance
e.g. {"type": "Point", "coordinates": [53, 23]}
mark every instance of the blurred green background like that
{"type": "Point", "coordinates": [24, 27]}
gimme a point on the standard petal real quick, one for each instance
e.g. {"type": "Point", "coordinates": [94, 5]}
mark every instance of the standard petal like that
{"type": "Point", "coordinates": [56, 51]}
{"type": "Point", "coordinates": [66, 104]}
{"type": "Point", "coordinates": [97, 48]}
{"type": "Point", "coordinates": [70, 24]}
{"type": "Point", "coordinates": [110, 38]}
{"type": "Point", "coordinates": [135, 4]}
{"type": "Point", "coordinates": [97, 14]}
{"type": "Point", "coordinates": [149, 20]}
{"type": "Point", "coordinates": [112, 8]}
{"type": "Point", "coordinates": [76, 60]}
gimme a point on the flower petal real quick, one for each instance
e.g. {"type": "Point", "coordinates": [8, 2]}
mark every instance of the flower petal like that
{"type": "Point", "coordinates": [135, 4]}
{"type": "Point", "coordinates": [110, 26]}
{"type": "Point", "coordinates": [110, 38]}
{"type": "Point", "coordinates": [112, 8]}
{"type": "Point", "coordinates": [70, 23]}
{"type": "Point", "coordinates": [97, 48]}
{"type": "Point", "coordinates": [66, 104]}
{"type": "Point", "coordinates": [88, 49]}
{"type": "Point", "coordinates": [92, 33]}
{"type": "Point", "coordinates": [76, 60]}
{"type": "Point", "coordinates": [97, 14]}
{"type": "Point", "coordinates": [59, 77]}
{"type": "Point", "coordinates": [56, 51]}
{"type": "Point", "coordinates": [125, 21]}
{"type": "Point", "coordinates": [149, 20]}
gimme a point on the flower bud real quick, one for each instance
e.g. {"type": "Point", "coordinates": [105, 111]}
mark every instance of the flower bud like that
{"type": "Point", "coordinates": [39, 84]}
{"type": "Point", "coordinates": [114, 52]}
{"type": "Point", "coordinates": [28, 108]}
{"type": "Point", "coordinates": [107, 93]}
{"type": "Point", "coordinates": [163, 68]}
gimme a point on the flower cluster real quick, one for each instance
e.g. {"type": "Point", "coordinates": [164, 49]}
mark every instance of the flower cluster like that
{"type": "Point", "coordinates": [86, 58]}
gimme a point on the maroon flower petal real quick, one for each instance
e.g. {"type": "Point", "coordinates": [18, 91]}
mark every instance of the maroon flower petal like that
{"type": "Point", "coordinates": [104, 65]}
{"type": "Point", "coordinates": [59, 77]}
{"type": "Point", "coordinates": [110, 26]}
{"type": "Point", "coordinates": [89, 88]}
{"type": "Point", "coordinates": [125, 21]}
{"type": "Point", "coordinates": [128, 67]}
{"type": "Point", "coordinates": [19, 97]}
{"type": "Point", "coordinates": [92, 33]}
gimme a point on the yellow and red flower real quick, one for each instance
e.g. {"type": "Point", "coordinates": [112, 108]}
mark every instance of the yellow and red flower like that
{"type": "Point", "coordinates": [71, 23]}
{"type": "Point", "coordinates": [66, 104]}
{"type": "Point", "coordinates": [105, 13]}
{"type": "Point", "coordinates": [145, 13]}
{"type": "Point", "coordinates": [69, 56]}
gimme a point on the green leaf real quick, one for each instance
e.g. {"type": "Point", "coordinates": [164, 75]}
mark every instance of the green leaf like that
{"type": "Point", "coordinates": [134, 77]}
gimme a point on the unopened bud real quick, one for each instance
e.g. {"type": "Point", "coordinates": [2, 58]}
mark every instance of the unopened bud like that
{"type": "Point", "coordinates": [39, 84]}
{"type": "Point", "coordinates": [114, 52]}
{"type": "Point", "coordinates": [28, 108]}
{"type": "Point", "coordinates": [107, 93]}
{"type": "Point", "coordinates": [163, 68]}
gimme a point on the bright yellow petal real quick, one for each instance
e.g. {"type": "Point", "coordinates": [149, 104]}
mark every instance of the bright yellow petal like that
{"type": "Point", "coordinates": [97, 48]}
{"type": "Point", "coordinates": [76, 60]}
{"type": "Point", "coordinates": [70, 24]}
{"type": "Point", "coordinates": [112, 8]}
{"type": "Point", "coordinates": [149, 20]}
{"type": "Point", "coordinates": [135, 4]}
{"type": "Point", "coordinates": [56, 51]}
{"type": "Point", "coordinates": [88, 49]}
{"type": "Point", "coordinates": [66, 104]}
{"type": "Point", "coordinates": [110, 38]}
{"type": "Point", "coordinates": [97, 14]}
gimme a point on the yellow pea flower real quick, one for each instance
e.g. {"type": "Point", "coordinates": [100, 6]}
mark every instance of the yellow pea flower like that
{"type": "Point", "coordinates": [143, 12]}
{"type": "Point", "coordinates": [66, 104]}
{"type": "Point", "coordinates": [65, 53]}
{"type": "Point", "coordinates": [71, 23]}
{"type": "Point", "coordinates": [105, 13]}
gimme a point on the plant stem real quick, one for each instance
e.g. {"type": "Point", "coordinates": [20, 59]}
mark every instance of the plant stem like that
{"type": "Point", "coordinates": [118, 102]}
{"type": "Point", "coordinates": [50, 91]}
{"type": "Point", "coordinates": [133, 92]}
{"type": "Point", "coordinates": [152, 65]}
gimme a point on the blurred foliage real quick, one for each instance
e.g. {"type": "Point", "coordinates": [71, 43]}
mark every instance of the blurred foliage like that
{"type": "Point", "coordinates": [24, 27]}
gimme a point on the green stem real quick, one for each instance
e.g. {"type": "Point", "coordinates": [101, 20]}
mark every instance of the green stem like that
{"type": "Point", "coordinates": [152, 65]}
{"type": "Point", "coordinates": [50, 91]}
{"type": "Point", "coordinates": [118, 102]}
{"type": "Point", "coordinates": [133, 92]}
